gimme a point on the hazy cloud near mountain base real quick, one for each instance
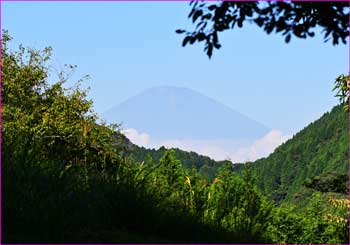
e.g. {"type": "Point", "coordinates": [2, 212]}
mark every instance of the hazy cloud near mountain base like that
{"type": "Point", "coordinates": [140, 139]}
{"type": "Point", "coordinates": [219, 149]}
{"type": "Point", "coordinates": [261, 147]}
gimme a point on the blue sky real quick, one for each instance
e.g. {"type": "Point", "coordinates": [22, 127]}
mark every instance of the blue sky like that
{"type": "Point", "coordinates": [128, 47]}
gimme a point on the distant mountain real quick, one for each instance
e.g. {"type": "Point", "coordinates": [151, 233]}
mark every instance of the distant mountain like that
{"type": "Point", "coordinates": [174, 113]}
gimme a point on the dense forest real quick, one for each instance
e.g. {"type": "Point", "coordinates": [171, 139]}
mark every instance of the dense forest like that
{"type": "Point", "coordinates": [321, 148]}
{"type": "Point", "coordinates": [68, 179]}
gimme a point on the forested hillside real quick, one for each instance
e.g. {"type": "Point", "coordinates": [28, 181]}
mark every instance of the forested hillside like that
{"type": "Point", "coordinates": [319, 148]}
{"type": "Point", "coordinates": [206, 166]}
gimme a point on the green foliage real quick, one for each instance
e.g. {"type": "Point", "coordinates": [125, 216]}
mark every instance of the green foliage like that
{"type": "Point", "coordinates": [236, 204]}
{"type": "Point", "coordinates": [342, 87]}
{"type": "Point", "coordinates": [310, 225]}
{"type": "Point", "coordinates": [286, 226]}
{"type": "Point", "coordinates": [56, 124]}
{"type": "Point", "coordinates": [329, 182]}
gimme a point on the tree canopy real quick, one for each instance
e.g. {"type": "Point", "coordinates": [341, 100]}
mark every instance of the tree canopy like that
{"type": "Point", "coordinates": [297, 19]}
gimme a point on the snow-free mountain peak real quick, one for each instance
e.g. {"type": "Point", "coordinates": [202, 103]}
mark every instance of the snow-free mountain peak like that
{"type": "Point", "coordinates": [168, 112]}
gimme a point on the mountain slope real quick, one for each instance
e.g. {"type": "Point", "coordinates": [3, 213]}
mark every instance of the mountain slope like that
{"type": "Point", "coordinates": [319, 148]}
{"type": "Point", "coordinates": [174, 113]}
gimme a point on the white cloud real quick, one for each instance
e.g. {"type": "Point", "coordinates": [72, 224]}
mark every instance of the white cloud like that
{"type": "Point", "coordinates": [141, 139]}
{"type": "Point", "coordinates": [219, 149]}
{"type": "Point", "coordinates": [261, 147]}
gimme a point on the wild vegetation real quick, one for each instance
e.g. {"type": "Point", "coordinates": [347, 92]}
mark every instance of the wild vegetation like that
{"type": "Point", "coordinates": [68, 179]}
